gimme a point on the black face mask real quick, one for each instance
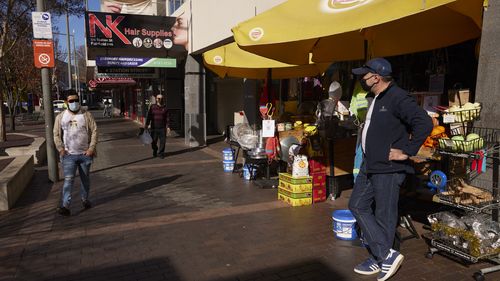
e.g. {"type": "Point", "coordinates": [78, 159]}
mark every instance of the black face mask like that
{"type": "Point", "coordinates": [365, 86]}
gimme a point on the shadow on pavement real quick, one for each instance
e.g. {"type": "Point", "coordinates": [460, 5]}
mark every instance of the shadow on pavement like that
{"type": "Point", "coordinates": [153, 269]}
{"type": "Point", "coordinates": [139, 188]}
{"type": "Point", "coordinates": [163, 269]}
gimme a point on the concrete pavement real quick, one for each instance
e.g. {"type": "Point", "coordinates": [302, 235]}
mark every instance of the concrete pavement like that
{"type": "Point", "coordinates": [183, 218]}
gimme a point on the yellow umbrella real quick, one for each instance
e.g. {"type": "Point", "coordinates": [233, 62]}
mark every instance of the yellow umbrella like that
{"type": "Point", "coordinates": [231, 61]}
{"type": "Point", "coordinates": [338, 29]}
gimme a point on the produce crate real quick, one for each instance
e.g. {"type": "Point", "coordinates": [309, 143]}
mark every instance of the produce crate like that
{"type": "Point", "coordinates": [295, 188]}
{"type": "Point", "coordinates": [295, 195]}
{"type": "Point", "coordinates": [287, 177]}
{"type": "Point", "coordinates": [319, 195]}
{"type": "Point", "coordinates": [459, 146]}
{"type": "Point", "coordinates": [460, 116]}
{"type": "Point", "coordinates": [295, 202]}
{"type": "Point", "coordinates": [480, 198]}
{"type": "Point", "coordinates": [319, 180]}
{"type": "Point", "coordinates": [317, 165]}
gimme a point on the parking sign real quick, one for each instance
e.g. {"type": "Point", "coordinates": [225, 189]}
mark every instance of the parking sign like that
{"type": "Point", "coordinates": [42, 25]}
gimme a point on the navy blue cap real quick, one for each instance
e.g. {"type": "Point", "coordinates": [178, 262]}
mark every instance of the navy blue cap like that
{"type": "Point", "coordinates": [379, 66]}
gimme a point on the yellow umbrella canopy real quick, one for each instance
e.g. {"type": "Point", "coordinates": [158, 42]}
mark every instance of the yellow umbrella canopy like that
{"type": "Point", "coordinates": [231, 61]}
{"type": "Point", "coordinates": [338, 29]}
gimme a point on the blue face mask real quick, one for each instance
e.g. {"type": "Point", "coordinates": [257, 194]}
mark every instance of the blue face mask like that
{"type": "Point", "coordinates": [74, 106]}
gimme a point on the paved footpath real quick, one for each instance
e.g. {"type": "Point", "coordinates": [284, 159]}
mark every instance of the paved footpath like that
{"type": "Point", "coordinates": [183, 218]}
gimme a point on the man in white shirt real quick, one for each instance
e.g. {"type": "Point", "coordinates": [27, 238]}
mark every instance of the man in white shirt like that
{"type": "Point", "coordinates": [75, 137]}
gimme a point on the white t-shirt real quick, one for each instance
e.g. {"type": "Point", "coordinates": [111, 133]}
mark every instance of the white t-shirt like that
{"type": "Point", "coordinates": [367, 124]}
{"type": "Point", "coordinates": [75, 133]}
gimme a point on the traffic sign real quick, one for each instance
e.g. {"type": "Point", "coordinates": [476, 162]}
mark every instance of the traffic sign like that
{"type": "Point", "coordinates": [43, 53]}
{"type": "Point", "coordinates": [42, 25]}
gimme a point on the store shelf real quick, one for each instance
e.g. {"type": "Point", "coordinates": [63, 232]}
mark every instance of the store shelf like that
{"type": "Point", "coordinates": [445, 247]}
{"type": "Point", "coordinates": [477, 208]}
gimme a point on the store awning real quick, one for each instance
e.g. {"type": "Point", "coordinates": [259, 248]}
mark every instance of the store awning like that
{"type": "Point", "coordinates": [336, 30]}
{"type": "Point", "coordinates": [108, 81]}
{"type": "Point", "coordinates": [230, 61]}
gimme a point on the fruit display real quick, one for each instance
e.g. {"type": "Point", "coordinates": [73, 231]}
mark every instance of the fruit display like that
{"type": "Point", "coordinates": [472, 142]}
{"type": "Point", "coordinates": [465, 113]}
{"type": "Point", "coordinates": [437, 133]}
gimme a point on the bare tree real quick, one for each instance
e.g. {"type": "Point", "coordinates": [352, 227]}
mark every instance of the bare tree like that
{"type": "Point", "coordinates": [15, 26]}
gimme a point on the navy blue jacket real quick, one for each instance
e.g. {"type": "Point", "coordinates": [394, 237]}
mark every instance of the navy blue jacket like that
{"type": "Point", "coordinates": [395, 116]}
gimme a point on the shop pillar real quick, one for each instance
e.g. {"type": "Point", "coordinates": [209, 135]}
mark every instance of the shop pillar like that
{"type": "Point", "coordinates": [194, 98]}
{"type": "Point", "coordinates": [488, 87]}
{"type": "Point", "coordinates": [251, 101]}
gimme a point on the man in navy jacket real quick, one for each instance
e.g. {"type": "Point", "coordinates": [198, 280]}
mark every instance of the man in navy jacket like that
{"type": "Point", "coordinates": [394, 130]}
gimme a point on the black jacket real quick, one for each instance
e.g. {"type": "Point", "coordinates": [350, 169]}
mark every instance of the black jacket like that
{"type": "Point", "coordinates": [395, 116]}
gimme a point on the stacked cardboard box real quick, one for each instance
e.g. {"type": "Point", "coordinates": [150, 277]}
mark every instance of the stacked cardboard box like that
{"type": "Point", "coordinates": [296, 191]}
{"type": "Point", "coordinates": [317, 170]}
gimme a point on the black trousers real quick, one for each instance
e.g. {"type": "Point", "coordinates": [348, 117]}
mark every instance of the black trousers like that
{"type": "Point", "coordinates": [160, 134]}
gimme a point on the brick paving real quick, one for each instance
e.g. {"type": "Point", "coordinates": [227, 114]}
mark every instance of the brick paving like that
{"type": "Point", "coordinates": [182, 218]}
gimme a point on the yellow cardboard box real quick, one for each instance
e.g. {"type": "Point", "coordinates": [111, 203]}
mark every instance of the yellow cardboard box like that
{"type": "Point", "coordinates": [295, 188]}
{"type": "Point", "coordinates": [295, 195]}
{"type": "Point", "coordinates": [286, 177]}
{"type": "Point", "coordinates": [295, 202]}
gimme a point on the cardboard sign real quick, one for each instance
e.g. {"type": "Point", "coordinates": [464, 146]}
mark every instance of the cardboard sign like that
{"type": "Point", "coordinates": [43, 51]}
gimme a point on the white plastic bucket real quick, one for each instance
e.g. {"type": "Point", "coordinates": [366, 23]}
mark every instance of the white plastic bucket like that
{"type": "Point", "coordinates": [228, 166]}
{"type": "Point", "coordinates": [246, 171]}
{"type": "Point", "coordinates": [227, 154]}
{"type": "Point", "coordinates": [344, 225]}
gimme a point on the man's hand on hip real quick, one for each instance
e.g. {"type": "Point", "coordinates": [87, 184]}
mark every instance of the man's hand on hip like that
{"type": "Point", "coordinates": [62, 152]}
{"type": "Point", "coordinates": [397, 154]}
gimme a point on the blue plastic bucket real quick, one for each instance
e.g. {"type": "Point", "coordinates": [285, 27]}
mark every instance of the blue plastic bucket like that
{"type": "Point", "coordinates": [228, 165]}
{"type": "Point", "coordinates": [344, 225]}
{"type": "Point", "coordinates": [246, 171]}
{"type": "Point", "coordinates": [227, 154]}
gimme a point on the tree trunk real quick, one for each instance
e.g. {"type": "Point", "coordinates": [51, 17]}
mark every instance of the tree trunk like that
{"type": "Point", "coordinates": [3, 133]}
{"type": "Point", "coordinates": [12, 121]}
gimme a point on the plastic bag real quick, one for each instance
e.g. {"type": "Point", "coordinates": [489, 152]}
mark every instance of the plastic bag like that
{"type": "Point", "coordinates": [146, 138]}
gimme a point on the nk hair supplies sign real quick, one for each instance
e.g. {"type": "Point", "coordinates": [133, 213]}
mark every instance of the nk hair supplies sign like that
{"type": "Point", "coordinates": [107, 30]}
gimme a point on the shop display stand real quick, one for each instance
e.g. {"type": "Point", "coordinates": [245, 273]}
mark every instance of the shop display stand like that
{"type": "Point", "coordinates": [492, 148]}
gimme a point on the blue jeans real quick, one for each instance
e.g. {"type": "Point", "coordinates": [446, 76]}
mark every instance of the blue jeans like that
{"type": "Point", "coordinates": [70, 163]}
{"type": "Point", "coordinates": [378, 223]}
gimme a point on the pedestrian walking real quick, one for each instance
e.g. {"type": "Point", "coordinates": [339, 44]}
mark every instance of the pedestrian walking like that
{"type": "Point", "coordinates": [107, 109]}
{"type": "Point", "coordinates": [157, 121]}
{"type": "Point", "coordinates": [75, 137]}
{"type": "Point", "coordinates": [392, 117]}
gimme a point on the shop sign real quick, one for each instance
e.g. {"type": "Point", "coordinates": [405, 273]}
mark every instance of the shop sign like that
{"type": "Point", "coordinates": [42, 25]}
{"type": "Point", "coordinates": [43, 51]}
{"type": "Point", "coordinates": [104, 71]}
{"type": "Point", "coordinates": [136, 62]}
{"type": "Point", "coordinates": [111, 81]}
{"type": "Point", "coordinates": [133, 32]}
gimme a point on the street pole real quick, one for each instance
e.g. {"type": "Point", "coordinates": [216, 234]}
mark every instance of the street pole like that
{"type": "Point", "coordinates": [49, 116]}
{"type": "Point", "coordinates": [75, 67]}
{"type": "Point", "coordinates": [69, 47]}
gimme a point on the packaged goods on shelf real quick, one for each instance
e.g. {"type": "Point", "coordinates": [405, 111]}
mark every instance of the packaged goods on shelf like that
{"type": "Point", "coordinates": [475, 234]}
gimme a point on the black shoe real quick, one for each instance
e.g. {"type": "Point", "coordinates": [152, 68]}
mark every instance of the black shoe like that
{"type": "Point", "coordinates": [154, 154]}
{"type": "Point", "coordinates": [63, 211]}
{"type": "Point", "coordinates": [162, 156]}
{"type": "Point", "coordinates": [86, 204]}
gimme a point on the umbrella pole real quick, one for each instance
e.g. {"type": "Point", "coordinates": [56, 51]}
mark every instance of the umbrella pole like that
{"type": "Point", "coordinates": [269, 84]}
